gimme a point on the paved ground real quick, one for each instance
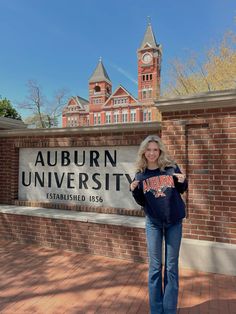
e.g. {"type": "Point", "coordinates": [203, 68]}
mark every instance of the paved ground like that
{"type": "Point", "coordinates": [45, 280]}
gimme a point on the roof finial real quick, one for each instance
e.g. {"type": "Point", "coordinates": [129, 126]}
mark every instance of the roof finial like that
{"type": "Point", "coordinates": [149, 20]}
{"type": "Point", "coordinates": [100, 59]}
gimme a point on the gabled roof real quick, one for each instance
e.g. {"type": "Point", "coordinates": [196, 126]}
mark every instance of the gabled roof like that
{"type": "Point", "coordinates": [149, 40]}
{"type": "Point", "coordinates": [125, 93]}
{"type": "Point", "coordinates": [99, 74]}
{"type": "Point", "coordinates": [82, 103]}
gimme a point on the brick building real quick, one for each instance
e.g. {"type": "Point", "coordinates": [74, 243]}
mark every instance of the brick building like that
{"type": "Point", "coordinates": [107, 107]}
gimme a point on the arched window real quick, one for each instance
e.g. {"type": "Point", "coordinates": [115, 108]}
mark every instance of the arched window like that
{"type": "Point", "coordinates": [97, 89]}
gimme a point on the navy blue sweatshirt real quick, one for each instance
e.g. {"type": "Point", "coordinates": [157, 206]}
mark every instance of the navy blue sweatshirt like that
{"type": "Point", "coordinates": [158, 193]}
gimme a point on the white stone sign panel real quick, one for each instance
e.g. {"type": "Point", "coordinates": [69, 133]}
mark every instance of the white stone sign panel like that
{"type": "Point", "coordinates": [97, 176]}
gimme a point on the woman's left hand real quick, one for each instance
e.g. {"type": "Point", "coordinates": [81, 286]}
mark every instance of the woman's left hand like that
{"type": "Point", "coordinates": [180, 176]}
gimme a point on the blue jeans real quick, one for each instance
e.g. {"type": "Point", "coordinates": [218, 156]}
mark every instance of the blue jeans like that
{"type": "Point", "coordinates": [163, 300]}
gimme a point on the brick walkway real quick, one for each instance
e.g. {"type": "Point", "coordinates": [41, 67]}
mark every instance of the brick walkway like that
{"type": "Point", "coordinates": [44, 280]}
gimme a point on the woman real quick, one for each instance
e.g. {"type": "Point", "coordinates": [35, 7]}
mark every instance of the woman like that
{"type": "Point", "coordinates": [157, 187]}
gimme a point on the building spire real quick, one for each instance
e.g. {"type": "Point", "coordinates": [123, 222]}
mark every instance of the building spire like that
{"type": "Point", "coordinates": [100, 73]}
{"type": "Point", "coordinates": [149, 38]}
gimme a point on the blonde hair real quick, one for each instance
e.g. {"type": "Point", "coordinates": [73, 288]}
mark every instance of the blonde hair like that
{"type": "Point", "coordinates": [164, 159]}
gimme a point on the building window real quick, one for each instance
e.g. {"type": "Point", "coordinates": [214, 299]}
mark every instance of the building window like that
{"type": "Point", "coordinates": [72, 121]}
{"type": "Point", "coordinates": [147, 115]}
{"type": "Point", "coordinates": [97, 118]}
{"type": "Point", "coordinates": [124, 116]}
{"type": "Point", "coordinates": [144, 94]}
{"type": "Point", "coordinates": [147, 93]}
{"type": "Point", "coordinates": [116, 116]}
{"type": "Point", "coordinates": [97, 100]}
{"type": "Point", "coordinates": [144, 115]}
{"type": "Point", "coordinates": [108, 117]}
{"type": "Point", "coordinates": [118, 101]}
{"type": "Point", "coordinates": [97, 89]}
{"type": "Point", "coordinates": [73, 108]}
{"type": "Point", "coordinates": [147, 77]}
{"type": "Point", "coordinates": [133, 115]}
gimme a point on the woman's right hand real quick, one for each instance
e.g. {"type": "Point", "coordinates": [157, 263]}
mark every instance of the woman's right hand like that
{"type": "Point", "coordinates": [133, 185]}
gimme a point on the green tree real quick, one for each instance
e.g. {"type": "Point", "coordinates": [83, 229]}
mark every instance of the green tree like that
{"type": "Point", "coordinates": [216, 72]}
{"type": "Point", "coordinates": [7, 111]}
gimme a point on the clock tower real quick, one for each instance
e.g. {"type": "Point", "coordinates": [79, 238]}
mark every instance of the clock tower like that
{"type": "Point", "coordinates": [149, 67]}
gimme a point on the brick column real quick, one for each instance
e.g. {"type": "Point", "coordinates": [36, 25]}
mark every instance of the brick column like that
{"type": "Point", "coordinates": [200, 133]}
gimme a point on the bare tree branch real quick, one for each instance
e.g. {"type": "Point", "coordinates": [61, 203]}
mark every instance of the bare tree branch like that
{"type": "Point", "coordinates": [44, 113]}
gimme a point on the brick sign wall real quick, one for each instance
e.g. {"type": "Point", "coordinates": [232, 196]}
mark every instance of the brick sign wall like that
{"type": "Point", "coordinates": [199, 133]}
{"type": "Point", "coordinates": [96, 177]}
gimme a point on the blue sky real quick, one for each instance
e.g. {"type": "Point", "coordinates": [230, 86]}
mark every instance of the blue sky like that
{"type": "Point", "coordinates": [59, 42]}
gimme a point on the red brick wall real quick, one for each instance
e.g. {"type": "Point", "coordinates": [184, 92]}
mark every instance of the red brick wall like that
{"type": "Point", "coordinates": [107, 240]}
{"type": "Point", "coordinates": [8, 171]}
{"type": "Point", "coordinates": [203, 143]}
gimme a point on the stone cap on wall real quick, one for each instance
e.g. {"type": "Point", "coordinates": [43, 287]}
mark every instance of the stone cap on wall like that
{"type": "Point", "coordinates": [216, 99]}
{"type": "Point", "coordinates": [112, 128]}
{"type": "Point", "coordinates": [98, 218]}
{"type": "Point", "coordinates": [8, 123]}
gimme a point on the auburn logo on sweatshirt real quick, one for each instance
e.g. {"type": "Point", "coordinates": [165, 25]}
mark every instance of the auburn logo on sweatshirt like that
{"type": "Point", "coordinates": [157, 185]}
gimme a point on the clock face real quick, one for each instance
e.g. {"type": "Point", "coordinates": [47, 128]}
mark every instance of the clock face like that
{"type": "Point", "coordinates": [147, 58]}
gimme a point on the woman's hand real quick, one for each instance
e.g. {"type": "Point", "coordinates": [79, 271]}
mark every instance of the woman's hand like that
{"type": "Point", "coordinates": [133, 185]}
{"type": "Point", "coordinates": [181, 177]}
